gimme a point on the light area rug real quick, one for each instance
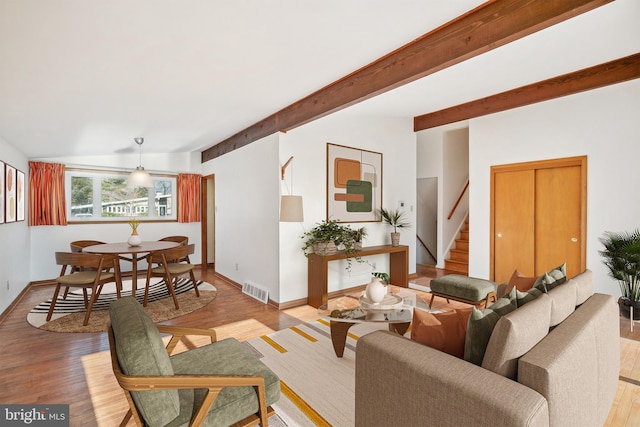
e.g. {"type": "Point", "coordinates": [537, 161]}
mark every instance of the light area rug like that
{"type": "Point", "coordinates": [318, 388]}
{"type": "Point", "coordinates": [69, 313]}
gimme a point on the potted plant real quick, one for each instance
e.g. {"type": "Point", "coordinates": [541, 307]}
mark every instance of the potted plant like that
{"type": "Point", "coordinates": [358, 236]}
{"type": "Point", "coordinates": [396, 219]}
{"type": "Point", "coordinates": [621, 255]}
{"type": "Point", "coordinates": [327, 237]}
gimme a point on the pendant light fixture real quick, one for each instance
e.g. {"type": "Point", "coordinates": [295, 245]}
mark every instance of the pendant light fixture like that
{"type": "Point", "coordinates": [290, 206]}
{"type": "Point", "coordinates": [139, 177]}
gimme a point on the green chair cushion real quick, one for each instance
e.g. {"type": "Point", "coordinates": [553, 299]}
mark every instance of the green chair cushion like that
{"type": "Point", "coordinates": [468, 288]}
{"type": "Point", "coordinates": [226, 357]}
{"type": "Point", "coordinates": [141, 351]}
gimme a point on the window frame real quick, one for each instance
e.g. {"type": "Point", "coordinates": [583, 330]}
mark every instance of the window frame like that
{"type": "Point", "coordinates": [97, 196]}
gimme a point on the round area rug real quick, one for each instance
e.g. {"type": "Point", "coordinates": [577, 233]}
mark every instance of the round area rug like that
{"type": "Point", "coordinates": [69, 313]}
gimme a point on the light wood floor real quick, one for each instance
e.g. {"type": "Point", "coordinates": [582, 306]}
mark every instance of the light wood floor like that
{"type": "Point", "coordinates": [42, 367]}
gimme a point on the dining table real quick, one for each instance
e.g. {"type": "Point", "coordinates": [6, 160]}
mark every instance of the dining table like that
{"type": "Point", "coordinates": [126, 252]}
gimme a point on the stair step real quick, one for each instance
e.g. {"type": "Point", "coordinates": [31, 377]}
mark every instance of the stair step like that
{"type": "Point", "coordinates": [464, 234]}
{"type": "Point", "coordinates": [462, 245]}
{"type": "Point", "coordinates": [459, 255]}
{"type": "Point", "coordinates": [457, 266]}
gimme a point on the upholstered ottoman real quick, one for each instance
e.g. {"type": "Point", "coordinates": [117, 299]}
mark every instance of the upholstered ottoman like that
{"type": "Point", "coordinates": [470, 290]}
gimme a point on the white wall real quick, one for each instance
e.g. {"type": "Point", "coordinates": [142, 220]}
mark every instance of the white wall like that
{"type": "Point", "coordinates": [15, 258]}
{"type": "Point", "coordinates": [46, 240]}
{"type": "Point", "coordinates": [247, 214]}
{"type": "Point", "coordinates": [396, 141]}
{"type": "Point", "coordinates": [602, 124]}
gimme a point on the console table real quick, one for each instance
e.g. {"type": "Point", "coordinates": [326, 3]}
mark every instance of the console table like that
{"type": "Point", "coordinates": [318, 269]}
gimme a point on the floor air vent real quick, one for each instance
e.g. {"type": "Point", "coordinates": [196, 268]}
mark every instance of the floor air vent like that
{"type": "Point", "coordinates": [255, 292]}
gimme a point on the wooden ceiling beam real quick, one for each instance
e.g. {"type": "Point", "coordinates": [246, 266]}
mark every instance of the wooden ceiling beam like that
{"type": "Point", "coordinates": [617, 71]}
{"type": "Point", "coordinates": [490, 25]}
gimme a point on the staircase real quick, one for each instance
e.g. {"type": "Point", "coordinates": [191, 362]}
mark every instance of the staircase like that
{"type": "Point", "coordinates": [459, 257]}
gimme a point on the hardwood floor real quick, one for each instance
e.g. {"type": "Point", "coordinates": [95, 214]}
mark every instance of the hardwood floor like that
{"type": "Point", "coordinates": [42, 367]}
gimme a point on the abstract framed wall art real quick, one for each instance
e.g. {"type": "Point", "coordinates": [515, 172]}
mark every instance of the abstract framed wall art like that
{"type": "Point", "coordinates": [20, 195]}
{"type": "Point", "coordinates": [10, 194]}
{"type": "Point", "coordinates": [1, 192]}
{"type": "Point", "coordinates": [354, 184]}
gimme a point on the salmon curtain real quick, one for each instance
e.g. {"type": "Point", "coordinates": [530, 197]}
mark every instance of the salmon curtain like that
{"type": "Point", "coordinates": [47, 205]}
{"type": "Point", "coordinates": [189, 197]}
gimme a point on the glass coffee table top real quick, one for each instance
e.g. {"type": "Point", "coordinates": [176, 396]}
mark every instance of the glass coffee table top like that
{"type": "Point", "coordinates": [345, 311]}
{"type": "Point", "coordinates": [348, 308]}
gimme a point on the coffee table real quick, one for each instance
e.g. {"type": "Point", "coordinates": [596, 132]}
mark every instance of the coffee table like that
{"type": "Point", "coordinates": [345, 311]}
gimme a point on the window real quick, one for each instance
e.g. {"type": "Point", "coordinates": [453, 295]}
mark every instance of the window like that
{"type": "Point", "coordinates": [104, 196]}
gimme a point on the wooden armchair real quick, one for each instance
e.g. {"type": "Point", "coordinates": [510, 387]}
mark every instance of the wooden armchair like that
{"type": "Point", "coordinates": [222, 382]}
{"type": "Point", "coordinates": [170, 265]}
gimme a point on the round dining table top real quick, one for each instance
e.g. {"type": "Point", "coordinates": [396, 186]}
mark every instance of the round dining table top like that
{"type": "Point", "coordinates": [124, 248]}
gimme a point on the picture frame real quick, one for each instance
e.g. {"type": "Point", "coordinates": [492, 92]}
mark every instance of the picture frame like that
{"type": "Point", "coordinates": [354, 184]}
{"type": "Point", "coordinates": [10, 194]}
{"type": "Point", "coordinates": [20, 195]}
{"type": "Point", "coordinates": [2, 190]}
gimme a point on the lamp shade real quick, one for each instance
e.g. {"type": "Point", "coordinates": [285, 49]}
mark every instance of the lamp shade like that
{"type": "Point", "coordinates": [139, 178]}
{"type": "Point", "coordinates": [291, 209]}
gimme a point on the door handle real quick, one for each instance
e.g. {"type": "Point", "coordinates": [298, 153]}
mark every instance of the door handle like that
{"type": "Point", "coordinates": [574, 239]}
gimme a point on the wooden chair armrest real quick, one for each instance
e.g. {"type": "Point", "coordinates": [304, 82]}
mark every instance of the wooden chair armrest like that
{"type": "Point", "coordinates": [158, 382]}
{"type": "Point", "coordinates": [178, 332]}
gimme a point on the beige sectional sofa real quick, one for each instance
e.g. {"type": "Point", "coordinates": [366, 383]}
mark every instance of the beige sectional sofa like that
{"type": "Point", "coordinates": [553, 361]}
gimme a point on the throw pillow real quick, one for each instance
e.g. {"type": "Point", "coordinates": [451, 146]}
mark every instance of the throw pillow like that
{"type": "Point", "coordinates": [551, 279]}
{"type": "Point", "coordinates": [481, 324]}
{"type": "Point", "coordinates": [520, 282]}
{"type": "Point", "coordinates": [442, 331]}
{"type": "Point", "coordinates": [524, 297]}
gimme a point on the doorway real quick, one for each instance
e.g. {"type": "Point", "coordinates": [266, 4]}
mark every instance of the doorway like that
{"type": "Point", "coordinates": [427, 221]}
{"type": "Point", "coordinates": [208, 221]}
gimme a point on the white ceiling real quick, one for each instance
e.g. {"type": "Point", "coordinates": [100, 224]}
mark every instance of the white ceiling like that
{"type": "Point", "coordinates": [83, 78]}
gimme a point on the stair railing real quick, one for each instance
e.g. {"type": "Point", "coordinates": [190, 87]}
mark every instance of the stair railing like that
{"type": "Point", "coordinates": [426, 248]}
{"type": "Point", "coordinates": [453, 210]}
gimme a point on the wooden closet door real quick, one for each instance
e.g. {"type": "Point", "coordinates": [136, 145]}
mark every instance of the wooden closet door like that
{"type": "Point", "coordinates": [513, 231]}
{"type": "Point", "coordinates": [558, 219]}
{"type": "Point", "coordinates": [538, 217]}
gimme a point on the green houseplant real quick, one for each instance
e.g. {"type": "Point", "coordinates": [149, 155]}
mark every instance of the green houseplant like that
{"type": "Point", "coordinates": [621, 255]}
{"type": "Point", "coordinates": [327, 236]}
{"type": "Point", "coordinates": [396, 219]}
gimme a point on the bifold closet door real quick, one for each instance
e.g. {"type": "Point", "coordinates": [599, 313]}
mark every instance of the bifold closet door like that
{"type": "Point", "coordinates": [514, 216]}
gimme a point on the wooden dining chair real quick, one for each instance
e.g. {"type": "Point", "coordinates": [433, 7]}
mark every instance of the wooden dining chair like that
{"type": "Point", "coordinates": [78, 246]}
{"type": "Point", "coordinates": [182, 240]}
{"type": "Point", "coordinates": [170, 264]}
{"type": "Point", "coordinates": [86, 271]}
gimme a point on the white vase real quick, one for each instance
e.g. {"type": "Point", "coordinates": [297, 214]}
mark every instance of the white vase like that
{"type": "Point", "coordinates": [376, 290]}
{"type": "Point", "coordinates": [134, 239]}
{"type": "Point", "coordinates": [395, 239]}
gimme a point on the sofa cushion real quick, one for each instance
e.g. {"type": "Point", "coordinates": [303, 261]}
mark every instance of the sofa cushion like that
{"type": "Point", "coordinates": [515, 334]}
{"type": "Point", "coordinates": [141, 351]}
{"type": "Point", "coordinates": [443, 331]}
{"type": "Point", "coordinates": [563, 301]}
{"type": "Point", "coordinates": [481, 324]}
{"type": "Point", "coordinates": [551, 279]}
{"type": "Point", "coordinates": [584, 284]}
{"type": "Point", "coordinates": [520, 282]}
{"type": "Point", "coordinates": [577, 366]}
